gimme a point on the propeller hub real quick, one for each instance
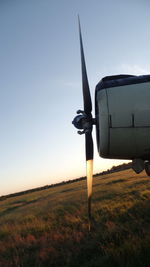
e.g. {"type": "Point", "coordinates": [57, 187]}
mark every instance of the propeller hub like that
{"type": "Point", "coordinates": [84, 122]}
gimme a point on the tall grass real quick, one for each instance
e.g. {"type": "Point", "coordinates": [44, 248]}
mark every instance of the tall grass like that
{"type": "Point", "coordinates": [50, 227]}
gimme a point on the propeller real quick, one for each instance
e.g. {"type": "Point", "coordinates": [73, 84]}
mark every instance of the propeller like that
{"type": "Point", "coordinates": [85, 122]}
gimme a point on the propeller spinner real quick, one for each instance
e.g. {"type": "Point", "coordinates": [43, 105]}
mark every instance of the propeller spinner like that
{"type": "Point", "coordinates": [85, 122]}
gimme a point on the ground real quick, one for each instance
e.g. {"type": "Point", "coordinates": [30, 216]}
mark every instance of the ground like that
{"type": "Point", "coordinates": [50, 227]}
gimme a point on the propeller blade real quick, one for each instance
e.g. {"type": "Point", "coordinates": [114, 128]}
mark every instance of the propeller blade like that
{"type": "Point", "coordinates": [89, 171]}
{"type": "Point", "coordinates": [85, 84]}
{"type": "Point", "coordinates": [87, 125]}
{"type": "Point", "coordinates": [89, 146]}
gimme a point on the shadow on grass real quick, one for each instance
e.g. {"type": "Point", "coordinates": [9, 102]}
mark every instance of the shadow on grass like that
{"type": "Point", "coordinates": [15, 207]}
{"type": "Point", "coordinates": [116, 181]}
{"type": "Point", "coordinates": [69, 190]}
{"type": "Point", "coordinates": [138, 183]}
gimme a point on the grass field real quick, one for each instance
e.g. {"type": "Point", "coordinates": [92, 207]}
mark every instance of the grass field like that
{"type": "Point", "coordinates": [50, 227]}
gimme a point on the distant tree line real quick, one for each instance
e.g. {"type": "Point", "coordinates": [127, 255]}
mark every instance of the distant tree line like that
{"type": "Point", "coordinates": [118, 168]}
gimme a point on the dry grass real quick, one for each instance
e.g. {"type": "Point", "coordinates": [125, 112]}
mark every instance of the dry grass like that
{"type": "Point", "coordinates": [50, 227]}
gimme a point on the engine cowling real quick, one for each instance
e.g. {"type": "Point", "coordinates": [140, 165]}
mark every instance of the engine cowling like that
{"type": "Point", "coordinates": [122, 107]}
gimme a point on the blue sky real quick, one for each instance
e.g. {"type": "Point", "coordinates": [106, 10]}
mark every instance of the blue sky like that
{"type": "Point", "coordinates": [40, 80]}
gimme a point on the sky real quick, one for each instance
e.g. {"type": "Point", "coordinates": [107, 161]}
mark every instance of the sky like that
{"type": "Point", "coordinates": [40, 80]}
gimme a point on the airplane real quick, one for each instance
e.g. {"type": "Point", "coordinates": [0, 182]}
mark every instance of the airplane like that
{"type": "Point", "coordinates": [122, 120]}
